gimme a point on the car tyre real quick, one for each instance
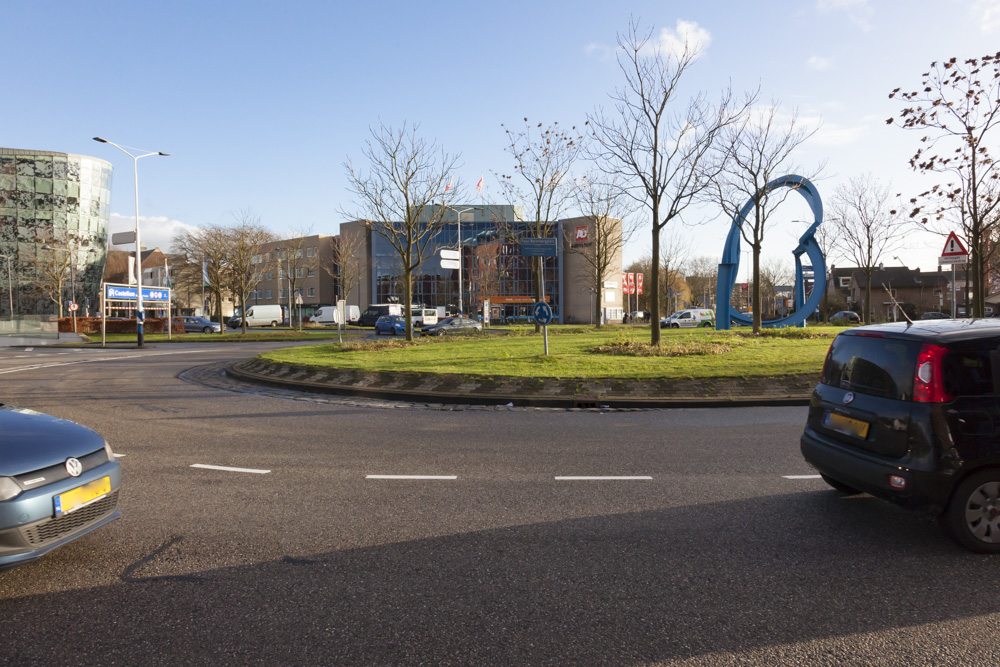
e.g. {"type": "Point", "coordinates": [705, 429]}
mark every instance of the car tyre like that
{"type": "Point", "coordinates": [840, 486]}
{"type": "Point", "coordinates": [439, 332]}
{"type": "Point", "coordinates": [706, 325]}
{"type": "Point", "coordinates": [972, 517]}
{"type": "Point", "coordinates": [675, 326]}
{"type": "Point", "coordinates": [274, 325]}
{"type": "Point", "coordinates": [206, 330]}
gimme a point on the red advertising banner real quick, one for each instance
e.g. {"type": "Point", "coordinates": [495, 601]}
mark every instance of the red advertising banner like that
{"type": "Point", "coordinates": [638, 282]}
{"type": "Point", "coordinates": [624, 283]}
{"type": "Point", "coordinates": [631, 283]}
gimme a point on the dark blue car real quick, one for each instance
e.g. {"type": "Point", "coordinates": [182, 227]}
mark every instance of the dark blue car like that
{"type": "Point", "coordinates": [390, 324]}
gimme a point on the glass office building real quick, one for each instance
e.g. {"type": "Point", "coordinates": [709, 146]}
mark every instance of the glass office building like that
{"type": "Point", "coordinates": [493, 267]}
{"type": "Point", "coordinates": [54, 212]}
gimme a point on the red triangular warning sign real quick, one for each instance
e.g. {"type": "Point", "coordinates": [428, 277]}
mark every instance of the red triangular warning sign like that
{"type": "Point", "coordinates": [953, 247]}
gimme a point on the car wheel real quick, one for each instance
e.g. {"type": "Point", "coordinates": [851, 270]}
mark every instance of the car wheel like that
{"type": "Point", "coordinates": [393, 331]}
{"type": "Point", "coordinates": [439, 332]}
{"type": "Point", "coordinates": [675, 326]}
{"type": "Point", "coordinates": [207, 330]}
{"type": "Point", "coordinates": [274, 325]}
{"type": "Point", "coordinates": [973, 514]}
{"type": "Point", "coordinates": [707, 324]}
{"type": "Point", "coordinates": [840, 486]}
{"type": "Point", "coordinates": [376, 331]}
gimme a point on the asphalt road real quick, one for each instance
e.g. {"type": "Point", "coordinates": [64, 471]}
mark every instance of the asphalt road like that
{"type": "Point", "coordinates": [705, 553]}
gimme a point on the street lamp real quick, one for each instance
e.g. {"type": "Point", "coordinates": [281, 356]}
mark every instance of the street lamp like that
{"type": "Point", "coordinates": [10, 287]}
{"type": "Point", "coordinates": [140, 313]}
{"type": "Point", "coordinates": [458, 213]}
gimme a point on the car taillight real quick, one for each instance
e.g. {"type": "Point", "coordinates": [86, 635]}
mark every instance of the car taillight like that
{"type": "Point", "coordinates": [928, 382]}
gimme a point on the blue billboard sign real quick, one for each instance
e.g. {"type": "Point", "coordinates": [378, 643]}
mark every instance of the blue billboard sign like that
{"type": "Point", "coordinates": [538, 247]}
{"type": "Point", "coordinates": [124, 293]}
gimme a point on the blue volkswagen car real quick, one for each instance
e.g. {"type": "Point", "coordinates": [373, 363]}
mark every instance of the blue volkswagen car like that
{"type": "Point", "coordinates": [58, 482]}
{"type": "Point", "coordinates": [394, 325]}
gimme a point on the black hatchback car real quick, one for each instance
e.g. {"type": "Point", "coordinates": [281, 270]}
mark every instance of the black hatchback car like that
{"type": "Point", "coordinates": [911, 413]}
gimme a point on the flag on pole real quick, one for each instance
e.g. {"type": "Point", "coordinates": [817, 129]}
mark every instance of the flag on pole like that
{"type": "Point", "coordinates": [204, 274]}
{"type": "Point", "coordinates": [479, 185]}
{"type": "Point", "coordinates": [450, 184]}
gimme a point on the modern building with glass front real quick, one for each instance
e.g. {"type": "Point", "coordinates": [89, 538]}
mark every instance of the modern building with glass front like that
{"type": "Point", "coordinates": [493, 268]}
{"type": "Point", "coordinates": [54, 212]}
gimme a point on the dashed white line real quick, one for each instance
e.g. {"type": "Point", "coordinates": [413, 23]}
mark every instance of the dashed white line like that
{"type": "Point", "coordinates": [119, 456]}
{"type": "Point", "coordinates": [228, 469]}
{"type": "Point", "coordinates": [411, 476]}
{"type": "Point", "coordinates": [601, 478]}
{"type": "Point", "coordinates": [801, 476]}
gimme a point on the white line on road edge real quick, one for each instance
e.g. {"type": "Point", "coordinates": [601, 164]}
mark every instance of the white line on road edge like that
{"type": "Point", "coordinates": [801, 476]}
{"type": "Point", "coordinates": [601, 479]}
{"type": "Point", "coordinates": [34, 367]}
{"type": "Point", "coordinates": [411, 476]}
{"type": "Point", "coordinates": [208, 467]}
{"type": "Point", "coordinates": [118, 456]}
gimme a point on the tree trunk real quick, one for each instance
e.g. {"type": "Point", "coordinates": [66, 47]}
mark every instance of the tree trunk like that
{"type": "Point", "coordinates": [756, 289]}
{"type": "Point", "coordinates": [654, 281]}
{"type": "Point", "coordinates": [408, 305]}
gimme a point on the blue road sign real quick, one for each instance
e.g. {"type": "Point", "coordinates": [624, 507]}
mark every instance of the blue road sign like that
{"type": "Point", "coordinates": [122, 293]}
{"type": "Point", "coordinates": [542, 312]}
{"type": "Point", "coordinates": [538, 247]}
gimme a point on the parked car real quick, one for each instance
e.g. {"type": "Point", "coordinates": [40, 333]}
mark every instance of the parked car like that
{"type": "Point", "coordinates": [845, 317]}
{"type": "Point", "coordinates": [911, 413]}
{"type": "Point", "coordinates": [935, 316]}
{"type": "Point", "coordinates": [692, 317]}
{"type": "Point", "coordinates": [58, 482]}
{"type": "Point", "coordinates": [390, 324]}
{"type": "Point", "coordinates": [194, 324]}
{"type": "Point", "coordinates": [259, 315]}
{"type": "Point", "coordinates": [329, 315]}
{"type": "Point", "coordinates": [452, 325]}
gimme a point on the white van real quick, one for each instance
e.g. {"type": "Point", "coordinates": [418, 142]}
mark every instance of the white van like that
{"type": "Point", "coordinates": [692, 317]}
{"type": "Point", "coordinates": [258, 315]}
{"type": "Point", "coordinates": [329, 315]}
{"type": "Point", "coordinates": [423, 317]}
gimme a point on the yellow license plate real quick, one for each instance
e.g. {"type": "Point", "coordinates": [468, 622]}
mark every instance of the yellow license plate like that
{"type": "Point", "coordinates": [81, 495]}
{"type": "Point", "coordinates": [846, 425]}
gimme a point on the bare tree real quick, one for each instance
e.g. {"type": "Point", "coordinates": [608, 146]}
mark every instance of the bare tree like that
{"type": "Point", "coordinates": [957, 107]}
{"type": "Point", "coordinates": [245, 266]}
{"type": "Point", "coordinates": [760, 150]}
{"type": "Point", "coordinates": [491, 260]}
{"type": "Point", "coordinates": [294, 263]}
{"type": "Point", "coordinates": [543, 157]}
{"type": "Point", "coordinates": [348, 268]}
{"type": "Point", "coordinates": [774, 273]}
{"type": "Point", "coordinates": [702, 278]}
{"type": "Point", "coordinates": [396, 197]}
{"type": "Point", "coordinates": [661, 148]}
{"type": "Point", "coordinates": [53, 265]}
{"type": "Point", "coordinates": [209, 248]}
{"type": "Point", "coordinates": [867, 229]}
{"type": "Point", "coordinates": [603, 203]}
{"type": "Point", "coordinates": [674, 251]}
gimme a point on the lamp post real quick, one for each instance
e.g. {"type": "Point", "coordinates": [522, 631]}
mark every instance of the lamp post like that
{"type": "Point", "coordinates": [140, 313]}
{"type": "Point", "coordinates": [458, 228]}
{"type": "Point", "coordinates": [10, 287]}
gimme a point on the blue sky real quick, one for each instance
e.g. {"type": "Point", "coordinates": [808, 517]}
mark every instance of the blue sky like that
{"type": "Point", "coordinates": [260, 103]}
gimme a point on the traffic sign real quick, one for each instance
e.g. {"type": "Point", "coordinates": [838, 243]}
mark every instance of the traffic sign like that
{"type": "Point", "coordinates": [953, 247]}
{"type": "Point", "coordinates": [542, 313]}
{"type": "Point", "coordinates": [73, 306]}
{"type": "Point", "coordinates": [538, 247]}
{"type": "Point", "coordinates": [449, 254]}
{"type": "Point", "coordinates": [450, 264]}
{"type": "Point", "coordinates": [298, 299]}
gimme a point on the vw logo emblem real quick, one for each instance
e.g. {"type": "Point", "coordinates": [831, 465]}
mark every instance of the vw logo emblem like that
{"type": "Point", "coordinates": [848, 397]}
{"type": "Point", "coordinates": [74, 467]}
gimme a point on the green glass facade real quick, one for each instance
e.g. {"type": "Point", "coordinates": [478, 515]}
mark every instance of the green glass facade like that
{"type": "Point", "coordinates": [54, 212]}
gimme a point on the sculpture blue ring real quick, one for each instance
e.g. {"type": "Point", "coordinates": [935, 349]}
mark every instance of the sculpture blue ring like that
{"type": "Point", "coordinates": [816, 270]}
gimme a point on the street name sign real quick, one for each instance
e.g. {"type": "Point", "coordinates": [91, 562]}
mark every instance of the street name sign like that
{"type": "Point", "coordinates": [450, 264]}
{"type": "Point", "coordinates": [450, 254]}
{"type": "Point", "coordinates": [538, 247]}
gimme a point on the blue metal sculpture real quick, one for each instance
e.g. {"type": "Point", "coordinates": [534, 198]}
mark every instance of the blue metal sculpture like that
{"type": "Point", "coordinates": [725, 316]}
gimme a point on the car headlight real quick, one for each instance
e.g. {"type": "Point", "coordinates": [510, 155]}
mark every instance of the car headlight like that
{"type": "Point", "coordinates": [8, 489]}
{"type": "Point", "coordinates": [107, 450]}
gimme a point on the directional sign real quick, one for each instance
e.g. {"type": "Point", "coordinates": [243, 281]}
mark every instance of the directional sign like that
{"type": "Point", "coordinates": [542, 313]}
{"type": "Point", "coordinates": [450, 264]}
{"type": "Point", "coordinates": [450, 254]}
{"type": "Point", "coordinates": [125, 293]}
{"type": "Point", "coordinates": [538, 247]}
{"type": "Point", "coordinates": [123, 238]}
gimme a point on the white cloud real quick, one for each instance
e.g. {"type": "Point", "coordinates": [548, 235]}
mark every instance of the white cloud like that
{"type": "Point", "coordinates": [157, 232]}
{"type": "Point", "coordinates": [819, 64]}
{"type": "Point", "coordinates": [687, 34]}
{"type": "Point", "coordinates": [986, 13]}
{"type": "Point", "coordinates": [859, 12]}
{"type": "Point", "coordinates": [600, 51]}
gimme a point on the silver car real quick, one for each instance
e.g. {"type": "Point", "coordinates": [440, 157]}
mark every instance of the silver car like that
{"type": "Point", "coordinates": [58, 482]}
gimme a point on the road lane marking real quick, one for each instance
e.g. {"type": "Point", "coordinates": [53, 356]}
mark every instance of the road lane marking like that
{"type": "Point", "coordinates": [119, 456]}
{"type": "Point", "coordinates": [411, 476]}
{"type": "Point", "coordinates": [801, 476]}
{"type": "Point", "coordinates": [228, 469]}
{"type": "Point", "coordinates": [35, 367]}
{"type": "Point", "coordinates": [28, 349]}
{"type": "Point", "coordinates": [601, 478]}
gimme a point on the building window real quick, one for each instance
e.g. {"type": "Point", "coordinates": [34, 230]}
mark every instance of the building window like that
{"type": "Point", "coordinates": [311, 291]}
{"type": "Point", "coordinates": [845, 282]}
{"type": "Point", "coordinates": [270, 275]}
{"type": "Point", "coordinates": [268, 292]}
{"type": "Point", "coordinates": [281, 293]}
{"type": "Point", "coordinates": [312, 273]}
{"type": "Point", "coordinates": [310, 252]}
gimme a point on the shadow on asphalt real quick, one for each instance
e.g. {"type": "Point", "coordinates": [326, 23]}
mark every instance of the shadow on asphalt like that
{"type": "Point", "coordinates": [646, 586]}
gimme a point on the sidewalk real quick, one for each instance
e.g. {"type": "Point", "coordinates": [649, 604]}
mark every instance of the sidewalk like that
{"type": "Point", "coordinates": [537, 392]}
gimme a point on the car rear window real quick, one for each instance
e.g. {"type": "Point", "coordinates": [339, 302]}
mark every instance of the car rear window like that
{"type": "Point", "coordinates": [875, 366]}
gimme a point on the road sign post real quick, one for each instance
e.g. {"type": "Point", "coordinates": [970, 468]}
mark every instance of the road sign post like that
{"type": "Point", "coordinates": [954, 253]}
{"type": "Point", "coordinates": [542, 313]}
